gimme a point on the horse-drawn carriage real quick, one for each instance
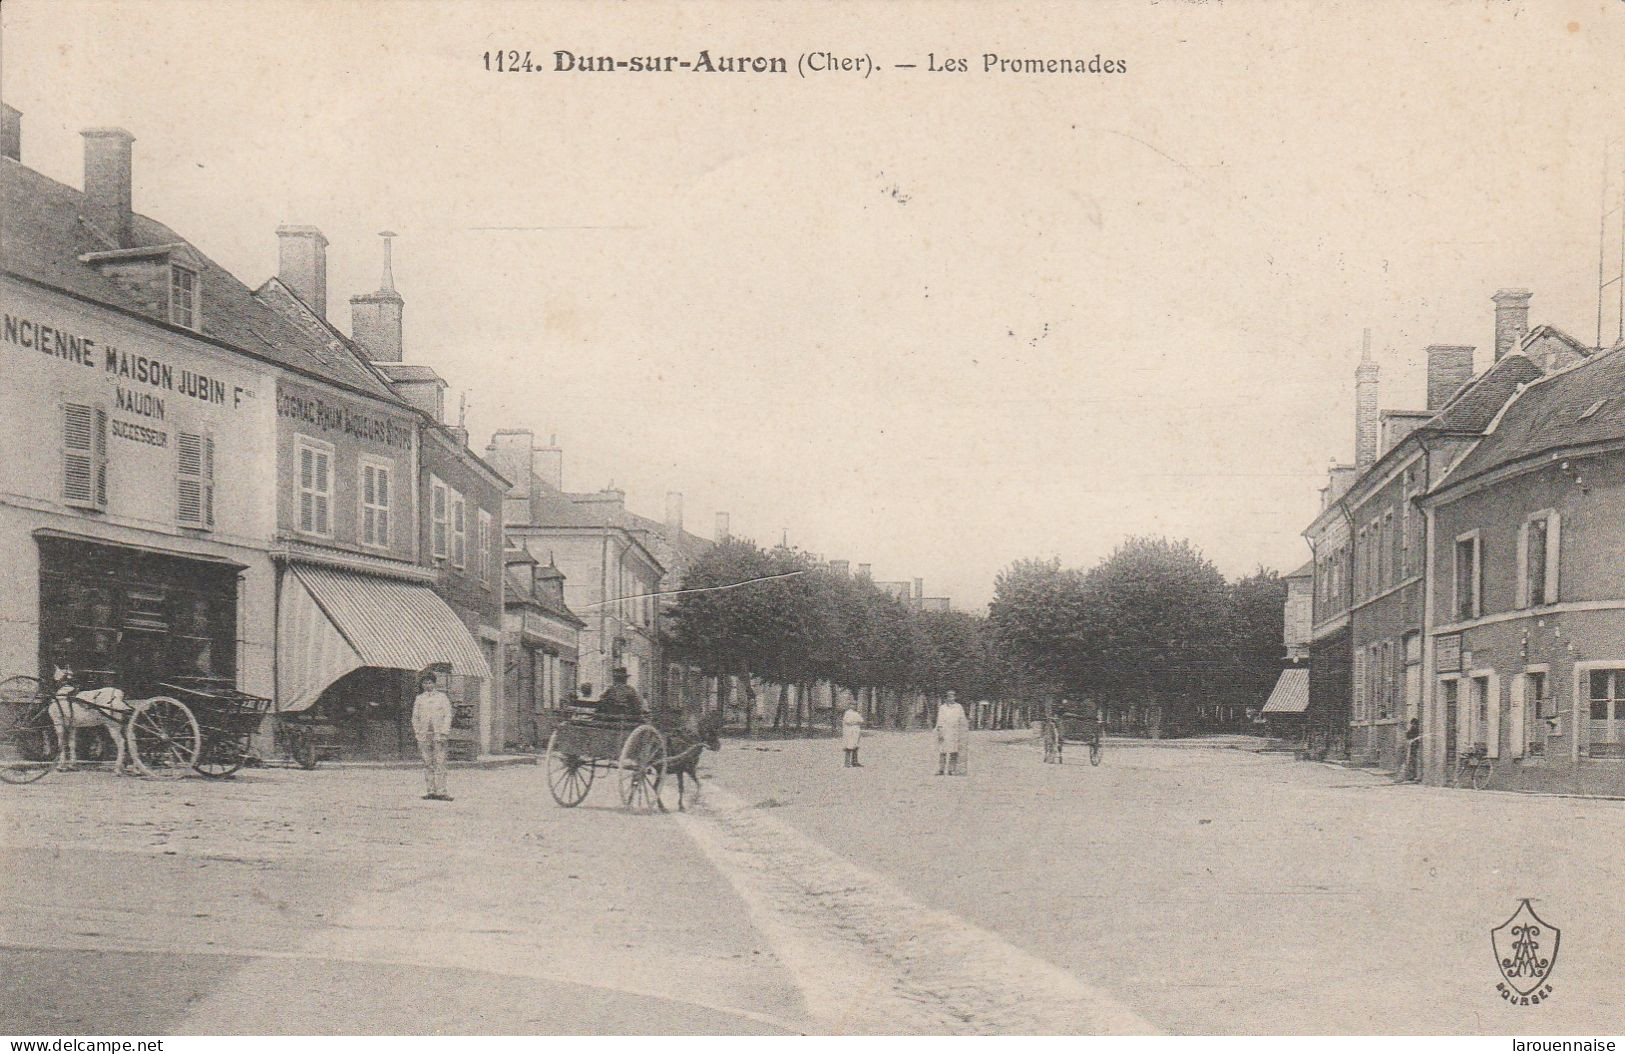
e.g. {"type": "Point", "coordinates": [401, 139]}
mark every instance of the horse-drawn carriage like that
{"type": "Point", "coordinates": [642, 754]}
{"type": "Point", "coordinates": [1061, 725]}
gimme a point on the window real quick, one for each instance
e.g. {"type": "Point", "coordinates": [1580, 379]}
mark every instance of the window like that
{"type": "Point", "coordinates": [1396, 549]}
{"type": "Point", "coordinates": [1480, 688]}
{"type": "Point", "coordinates": [459, 532]}
{"type": "Point", "coordinates": [375, 488]}
{"type": "Point", "coordinates": [1537, 560]}
{"type": "Point", "coordinates": [183, 296]}
{"type": "Point", "coordinates": [315, 486]}
{"type": "Point", "coordinates": [1413, 674]}
{"type": "Point", "coordinates": [1538, 714]}
{"type": "Point", "coordinates": [482, 545]}
{"type": "Point", "coordinates": [1466, 603]}
{"type": "Point", "coordinates": [1607, 691]}
{"type": "Point", "coordinates": [194, 480]}
{"type": "Point", "coordinates": [439, 505]}
{"type": "Point", "coordinates": [84, 456]}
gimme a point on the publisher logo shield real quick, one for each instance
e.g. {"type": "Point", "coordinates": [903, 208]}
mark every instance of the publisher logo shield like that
{"type": "Point", "coordinates": [1525, 949]}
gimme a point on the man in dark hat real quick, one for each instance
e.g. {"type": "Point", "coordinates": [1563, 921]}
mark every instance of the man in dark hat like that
{"type": "Point", "coordinates": [620, 701]}
{"type": "Point", "coordinates": [431, 722]}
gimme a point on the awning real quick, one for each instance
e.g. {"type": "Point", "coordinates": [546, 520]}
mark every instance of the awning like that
{"type": "Point", "coordinates": [55, 535]}
{"type": "Point", "coordinates": [1291, 694]}
{"type": "Point", "coordinates": [331, 621]}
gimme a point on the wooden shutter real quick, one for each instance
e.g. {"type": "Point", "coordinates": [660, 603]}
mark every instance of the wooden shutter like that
{"type": "Point", "coordinates": [1554, 532]}
{"type": "Point", "coordinates": [195, 482]}
{"type": "Point", "coordinates": [1492, 710]}
{"type": "Point", "coordinates": [84, 456]}
{"type": "Point", "coordinates": [1524, 599]}
{"type": "Point", "coordinates": [1519, 701]}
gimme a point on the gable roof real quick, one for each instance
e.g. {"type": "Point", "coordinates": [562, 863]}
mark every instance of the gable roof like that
{"type": "Point", "coordinates": [44, 234]}
{"type": "Point", "coordinates": [1474, 407]}
{"type": "Point", "coordinates": [1306, 571]}
{"type": "Point", "coordinates": [1547, 417]}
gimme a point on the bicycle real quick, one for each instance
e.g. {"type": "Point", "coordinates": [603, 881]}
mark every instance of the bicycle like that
{"type": "Point", "coordinates": [1473, 768]}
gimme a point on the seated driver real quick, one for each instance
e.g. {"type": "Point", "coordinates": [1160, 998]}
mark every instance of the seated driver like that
{"type": "Point", "coordinates": [620, 701]}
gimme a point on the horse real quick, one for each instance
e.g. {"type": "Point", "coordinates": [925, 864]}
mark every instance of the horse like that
{"type": "Point", "coordinates": [686, 747]}
{"type": "Point", "coordinates": [72, 710]}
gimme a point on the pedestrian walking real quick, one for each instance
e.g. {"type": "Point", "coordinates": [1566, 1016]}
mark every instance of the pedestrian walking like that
{"type": "Point", "coordinates": [1413, 751]}
{"type": "Point", "coordinates": [951, 729]}
{"type": "Point", "coordinates": [431, 723]}
{"type": "Point", "coordinates": [851, 731]}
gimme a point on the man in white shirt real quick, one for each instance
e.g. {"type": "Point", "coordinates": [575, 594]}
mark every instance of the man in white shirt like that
{"type": "Point", "coordinates": [431, 723]}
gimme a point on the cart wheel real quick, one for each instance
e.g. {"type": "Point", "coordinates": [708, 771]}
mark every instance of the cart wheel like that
{"type": "Point", "coordinates": [569, 776]}
{"type": "Point", "coordinates": [219, 758]}
{"type": "Point", "coordinates": [1481, 775]}
{"type": "Point", "coordinates": [303, 749]}
{"type": "Point", "coordinates": [29, 745]}
{"type": "Point", "coordinates": [1094, 753]}
{"type": "Point", "coordinates": [643, 766]}
{"type": "Point", "coordinates": [163, 737]}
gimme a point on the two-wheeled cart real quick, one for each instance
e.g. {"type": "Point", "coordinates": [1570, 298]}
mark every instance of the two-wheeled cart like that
{"type": "Point", "coordinates": [636, 751]}
{"type": "Point", "coordinates": [160, 735]}
{"type": "Point", "coordinates": [227, 719]}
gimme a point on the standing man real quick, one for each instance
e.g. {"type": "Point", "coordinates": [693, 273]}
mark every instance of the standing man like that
{"type": "Point", "coordinates": [851, 731]}
{"type": "Point", "coordinates": [1413, 751]}
{"type": "Point", "coordinates": [951, 725]}
{"type": "Point", "coordinates": [431, 723]}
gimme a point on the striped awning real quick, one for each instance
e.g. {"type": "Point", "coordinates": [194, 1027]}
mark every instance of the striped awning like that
{"type": "Point", "coordinates": [1291, 694]}
{"type": "Point", "coordinates": [331, 621]}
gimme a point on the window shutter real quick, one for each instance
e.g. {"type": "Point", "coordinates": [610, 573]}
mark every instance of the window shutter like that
{"type": "Point", "coordinates": [189, 452]}
{"type": "Point", "coordinates": [1520, 691]}
{"type": "Point", "coordinates": [1492, 701]}
{"type": "Point", "coordinates": [1478, 575]}
{"type": "Point", "coordinates": [1554, 532]}
{"type": "Point", "coordinates": [84, 456]}
{"type": "Point", "coordinates": [1524, 599]}
{"type": "Point", "coordinates": [101, 458]}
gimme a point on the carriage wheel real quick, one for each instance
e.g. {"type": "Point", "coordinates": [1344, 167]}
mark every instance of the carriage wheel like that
{"type": "Point", "coordinates": [569, 776]}
{"type": "Point", "coordinates": [643, 766]}
{"type": "Point", "coordinates": [29, 744]}
{"type": "Point", "coordinates": [221, 756]}
{"type": "Point", "coordinates": [303, 748]}
{"type": "Point", "coordinates": [1094, 752]}
{"type": "Point", "coordinates": [163, 737]}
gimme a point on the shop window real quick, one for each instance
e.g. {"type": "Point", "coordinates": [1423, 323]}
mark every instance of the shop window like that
{"type": "Point", "coordinates": [375, 498]}
{"type": "Point", "coordinates": [195, 480]}
{"type": "Point", "coordinates": [439, 503]}
{"type": "Point", "coordinates": [459, 531]}
{"type": "Point", "coordinates": [315, 486]}
{"type": "Point", "coordinates": [183, 297]}
{"type": "Point", "coordinates": [1607, 692]}
{"type": "Point", "coordinates": [1466, 602]}
{"type": "Point", "coordinates": [84, 456]}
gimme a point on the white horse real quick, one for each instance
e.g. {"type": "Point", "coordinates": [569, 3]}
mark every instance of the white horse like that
{"type": "Point", "coordinates": [98, 707]}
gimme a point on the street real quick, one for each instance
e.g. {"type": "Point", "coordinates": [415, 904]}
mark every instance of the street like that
{"type": "Point", "coordinates": [1181, 887]}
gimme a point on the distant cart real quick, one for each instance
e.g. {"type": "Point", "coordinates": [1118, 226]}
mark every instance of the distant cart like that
{"type": "Point", "coordinates": [635, 751]}
{"type": "Point", "coordinates": [1058, 729]}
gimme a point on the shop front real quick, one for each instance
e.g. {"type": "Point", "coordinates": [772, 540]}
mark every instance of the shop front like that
{"type": "Point", "coordinates": [350, 644]}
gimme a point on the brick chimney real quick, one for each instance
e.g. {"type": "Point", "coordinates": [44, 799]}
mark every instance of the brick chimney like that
{"type": "Point", "coordinates": [919, 588]}
{"type": "Point", "coordinates": [674, 512]}
{"type": "Point", "coordinates": [107, 182]}
{"type": "Point", "coordinates": [1450, 367]}
{"type": "Point", "coordinates": [840, 567]}
{"type": "Point", "coordinates": [11, 131]}
{"type": "Point", "coordinates": [1367, 421]}
{"type": "Point", "coordinates": [302, 264]}
{"type": "Point", "coordinates": [1511, 320]}
{"type": "Point", "coordinates": [864, 570]}
{"type": "Point", "coordinates": [550, 463]}
{"type": "Point", "coordinates": [722, 527]}
{"type": "Point", "coordinates": [511, 455]}
{"type": "Point", "coordinates": [375, 318]}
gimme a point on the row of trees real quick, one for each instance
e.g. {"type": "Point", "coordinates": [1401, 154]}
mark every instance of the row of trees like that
{"type": "Point", "coordinates": [1153, 629]}
{"type": "Point", "coordinates": [1154, 632]}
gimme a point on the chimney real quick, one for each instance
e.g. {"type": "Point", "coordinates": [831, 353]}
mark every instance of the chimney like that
{"type": "Point", "coordinates": [302, 264]}
{"type": "Point", "coordinates": [674, 512]}
{"type": "Point", "coordinates": [1450, 367]}
{"type": "Point", "coordinates": [1367, 422]}
{"type": "Point", "coordinates": [11, 131]}
{"type": "Point", "coordinates": [550, 463]}
{"type": "Point", "coordinates": [375, 318]}
{"type": "Point", "coordinates": [840, 567]}
{"type": "Point", "coordinates": [107, 182]}
{"type": "Point", "coordinates": [510, 454]}
{"type": "Point", "coordinates": [1511, 320]}
{"type": "Point", "coordinates": [722, 527]}
{"type": "Point", "coordinates": [864, 570]}
{"type": "Point", "coordinates": [919, 588]}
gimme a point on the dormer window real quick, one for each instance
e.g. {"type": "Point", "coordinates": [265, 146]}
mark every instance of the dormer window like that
{"type": "Point", "coordinates": [183, 296]}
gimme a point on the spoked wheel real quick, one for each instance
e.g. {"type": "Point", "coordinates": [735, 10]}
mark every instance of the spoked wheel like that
{"type": "Point", "coordinates": [643, 766]}
{"type": "Point", "coordinates": [1480, 776]}
{"type": "Point", "coordinates": [29, 744]}
{"type": "Point", "coordinates": [1094, 752]}
{"type": "Point", "coordinates": [164, 738]}
{"type": "Point", "coordinates": [569, 776]}
{"type": "Point", "coordinates": [221, 756]}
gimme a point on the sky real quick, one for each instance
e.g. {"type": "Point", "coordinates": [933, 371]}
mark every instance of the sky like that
{"type": "Point", "coordinates": [931, 321]}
